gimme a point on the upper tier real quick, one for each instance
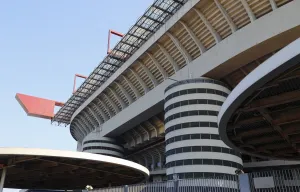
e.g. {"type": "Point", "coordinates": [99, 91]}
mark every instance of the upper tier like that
{"type": "Point", "coordinates": [203, 38]}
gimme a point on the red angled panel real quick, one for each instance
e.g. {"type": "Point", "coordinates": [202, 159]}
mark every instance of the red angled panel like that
{"type": "Point", "coordinates": [74, 84]}
{"type": "Point", "coordinates": [109, 35]}
{"type": "Point", "coordinates": [37, 107]}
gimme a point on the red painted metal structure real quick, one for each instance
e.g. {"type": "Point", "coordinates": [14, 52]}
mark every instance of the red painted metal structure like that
{"type": "Point", "coordinates": [37, 107]}
{"type": "Point", "coordinates": [112, 32]}
{"type": "Point", "coordinates": [75, 77]}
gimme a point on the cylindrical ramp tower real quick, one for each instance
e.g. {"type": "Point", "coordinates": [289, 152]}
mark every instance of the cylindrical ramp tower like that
{"type": "Point", "coordinates": [193, 145]}
{"type": "Point", "coordinates": [93, 143]}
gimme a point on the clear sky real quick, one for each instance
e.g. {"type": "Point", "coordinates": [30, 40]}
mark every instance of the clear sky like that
{"type": "Point", "coordinates": [43, 43]}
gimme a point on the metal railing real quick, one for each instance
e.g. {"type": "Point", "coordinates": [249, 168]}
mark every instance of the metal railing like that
{"type": "Point", "coordinates": [222, 184]}
{"type": "Point", "coordinates": [287, 180]}
{"type": "Point", "coordinates": [151, 187]}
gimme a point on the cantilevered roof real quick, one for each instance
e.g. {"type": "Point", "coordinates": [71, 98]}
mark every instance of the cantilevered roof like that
{"type": "Point", "coordinates": [261, 116]}
{"type": "Point", "coordinates": [154, 17]}
{"type": "Point", "coordinates": [29, 168]}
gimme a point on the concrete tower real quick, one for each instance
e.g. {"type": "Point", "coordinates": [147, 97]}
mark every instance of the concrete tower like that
{"type": "Point", "coordinates": [93, 143]}
{"type": "Point", "coordinates": [193, 145]}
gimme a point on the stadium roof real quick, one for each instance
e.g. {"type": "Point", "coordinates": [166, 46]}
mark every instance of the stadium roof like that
{"type": "Point", "coordinates": [28, 168]}
{"type": "Point", "coordinates": [154, 17]}
{"type": "Point", "coordinates": [261, 115]}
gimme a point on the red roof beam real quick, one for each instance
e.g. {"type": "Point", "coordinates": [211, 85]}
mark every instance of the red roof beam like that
{"type": "Point", "coordinates": [75, 77]}
{"type": "Point", "coordinates": [37, 107]}
{"type": "Point", "coordinates": [112, 32]}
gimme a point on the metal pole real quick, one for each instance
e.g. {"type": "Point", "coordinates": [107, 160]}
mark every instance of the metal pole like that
{"type": "Point", "coordinates": [2, 179]}
{"type": "Point", "coordinates": [244, 183]}
{"type": "Point", "coordinates": [126, 188]}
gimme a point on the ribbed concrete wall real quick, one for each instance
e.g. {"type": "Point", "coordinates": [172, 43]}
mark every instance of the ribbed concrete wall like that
{"type": "Point", "coordinates": [93, 143]}
{"type": "Point", "coordinates": [193, 145]}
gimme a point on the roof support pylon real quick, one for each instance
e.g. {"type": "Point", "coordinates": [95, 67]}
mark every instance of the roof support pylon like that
{"type": "Point", "coordinates": [3, 176]}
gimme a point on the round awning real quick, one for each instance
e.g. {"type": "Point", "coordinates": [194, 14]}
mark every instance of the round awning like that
{"type": "Point", "coordinates": [29, 168]}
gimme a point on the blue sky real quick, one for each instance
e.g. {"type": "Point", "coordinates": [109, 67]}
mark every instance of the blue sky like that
{"type": "Point", "coordinates": [43, 43]}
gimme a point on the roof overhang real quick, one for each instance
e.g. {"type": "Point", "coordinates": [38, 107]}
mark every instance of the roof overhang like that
{"type": "Point", "coordinates": [29, 168]}
{"type": "Point", "coordinates": [261, 115]}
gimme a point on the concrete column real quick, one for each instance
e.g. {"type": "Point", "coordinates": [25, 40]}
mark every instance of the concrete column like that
{"type": "Point", "coordinates": [2, 179]}
{"type": "Point", "coordinates": [126, 188]}
{"type": "Point", "coordinates": [194, 149]}
{"type": "Point", "coordinates": [244, 183]}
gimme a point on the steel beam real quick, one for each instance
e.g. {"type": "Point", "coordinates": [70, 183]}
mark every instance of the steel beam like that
{"type": "Point", "coordinates": [279, 99]}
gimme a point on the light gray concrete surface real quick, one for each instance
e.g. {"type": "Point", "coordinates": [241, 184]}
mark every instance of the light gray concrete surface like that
{"type": "Point", "coordinates": [252, 35]}
{"type": "Point", "coordinates": [178, 15]}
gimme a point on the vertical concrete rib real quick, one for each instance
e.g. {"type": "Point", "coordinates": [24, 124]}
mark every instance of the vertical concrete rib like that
{"type": "Point", "coordinates": [155, 128]}
{"type": "Point", "coordinates": [89, 125]}
{"type": "Point", "coordinates": [146, 160]}
{"type": "Point", "coordinates": [80, 138]}
{"type": "Point", "coordinates": [200, 46]}
{"type": "Point", "coordinates": [226, 16]}
{"type": "Point", "coordinates": [91, 120]}
{"type": "Point", "coordinates": [273, 4]}
{"type": "Point", "coordinates": [140, 133]}
{"type": "Point", "coordinates": [132, 138]}
{"type": "Point", "coordinates": [169, 57]}
{"type": "Point", "coordinates": [83, 125]}
{"type": "Point", "coordinates": [96, 116]}
{"type": "Point", "coordinates": [76, 131]}
{"type": "Point", "coordinates": [248, 10]}
{"type": "Point", "coordinates": [152, 160]}
{"type": "Point", "coordinates": [147, 131]}
{"type": "Point", "coordinates": [112, 103]}
{"type": "Point", "coordinates": [128, 97]}
{"type": "Point", "coordinates": [149, 74]}
{"type": "Point", "coordinates": [140, 136]}
{"type": "Point", "coordinates": [132, 87]}
{"type": "Point", "coordinates": [214, 33]}
{"type": "Point", "coordinates": [160, 157]}
{"type": "Point", "coordinates": [158, 66]}
{"type": "Point", "coordinates": [106, 107]}
{"type": "Point", "coordinates": [141, 82]}
{"type": "Point", "coordinates": [102, 113]}
{"type": "Point", "coordinates": [77, 135]}
{"type": "Point", "coordinates": [181, 49]}
{"type": "Point", "coordinates": [80, 128]}
{"type": "Point", "coordinates": [122, 103]}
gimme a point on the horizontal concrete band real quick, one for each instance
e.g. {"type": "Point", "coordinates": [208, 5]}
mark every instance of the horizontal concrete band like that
{"type": "Point", "coordinates": [244, 39]}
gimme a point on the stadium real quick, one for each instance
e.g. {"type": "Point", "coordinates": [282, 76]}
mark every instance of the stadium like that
{"type": "Point", "coordinates": [194, 89]}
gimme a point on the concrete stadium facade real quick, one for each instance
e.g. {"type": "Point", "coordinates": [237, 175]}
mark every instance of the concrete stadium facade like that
{"type": "Point", "coordinates": [220, 40]}
{"type": "Point", "coordinates": [193, 146]}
